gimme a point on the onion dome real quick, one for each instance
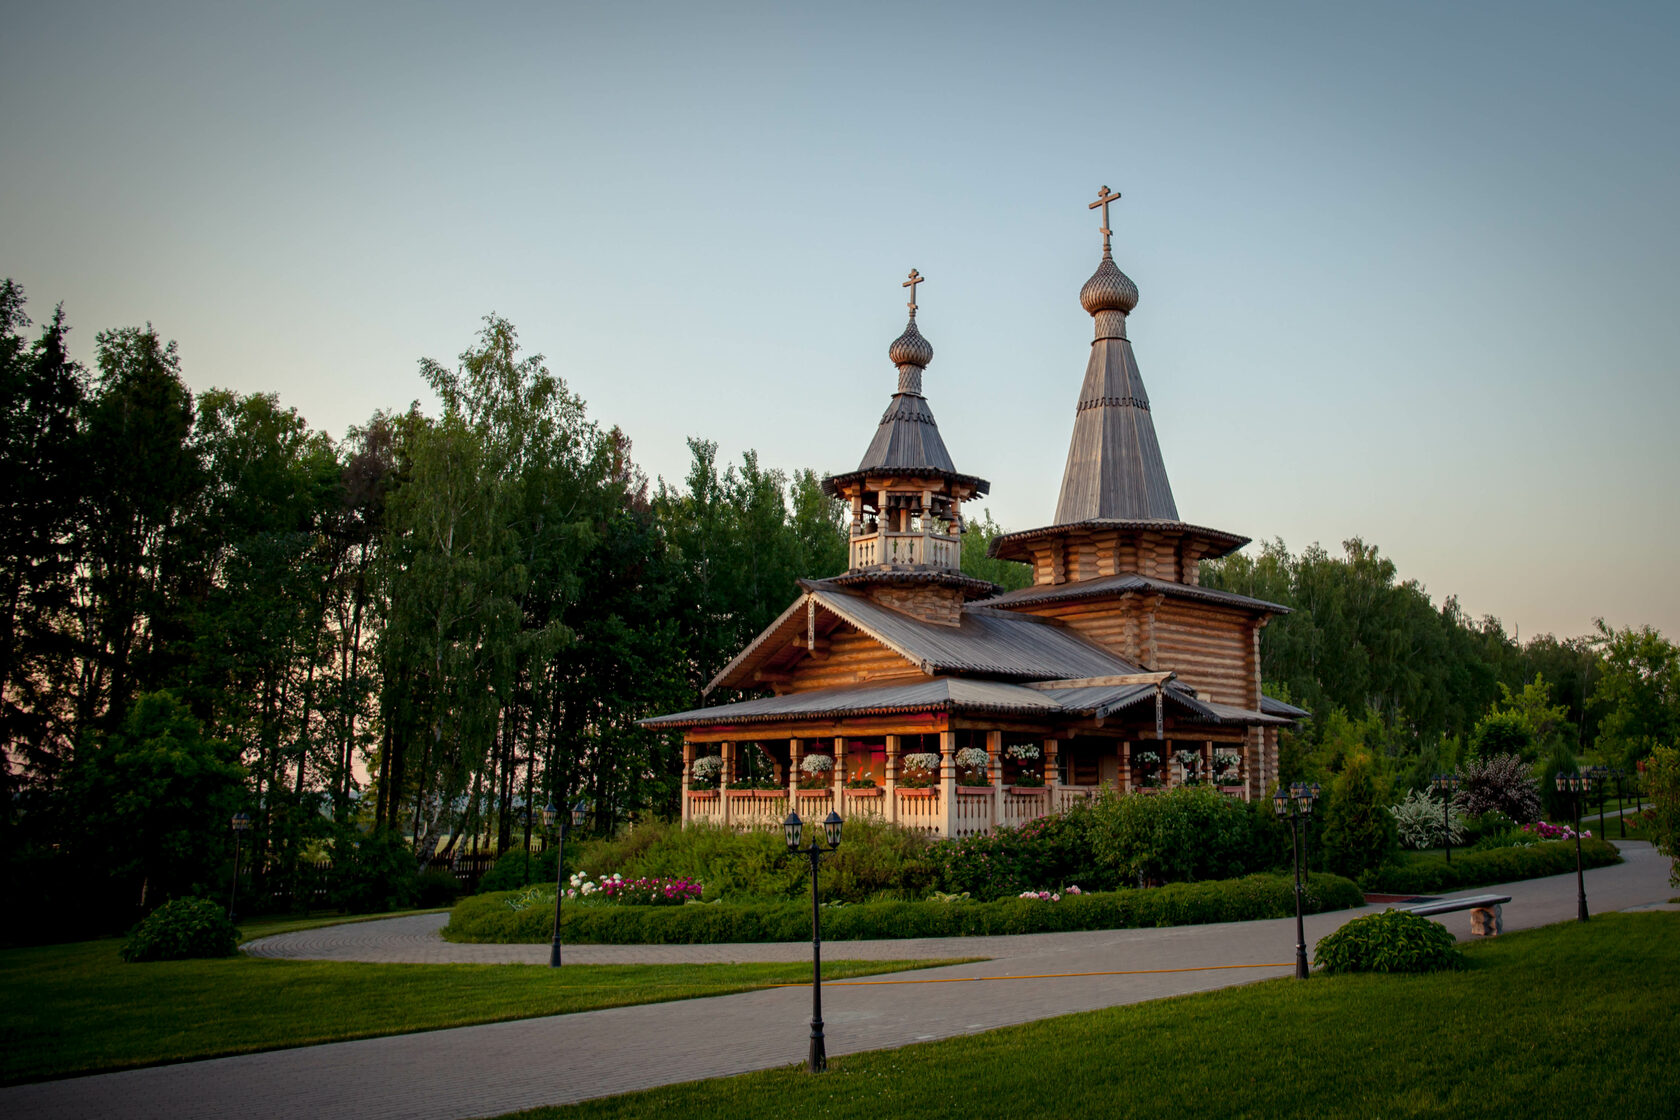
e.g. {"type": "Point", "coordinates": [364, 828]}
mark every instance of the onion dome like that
{"type": "Point", "coordinates": [1108, 289]}
{"type": "Point", "coordinates": [910, 348]}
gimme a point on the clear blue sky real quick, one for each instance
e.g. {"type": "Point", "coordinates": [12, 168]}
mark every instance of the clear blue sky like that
{"type": "Point", "coordinates": [1407, 272]}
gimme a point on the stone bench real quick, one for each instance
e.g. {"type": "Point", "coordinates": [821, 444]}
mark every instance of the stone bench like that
{"type": "Point", "coordinates": [1486, 917]}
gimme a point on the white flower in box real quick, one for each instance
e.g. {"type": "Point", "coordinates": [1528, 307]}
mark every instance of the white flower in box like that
{"type": "Point", "coordinates": [973, 756]}
{"type": "Point", "coordinates": [817, 764]}
{"type": "Point", "coordinates": [1022, 752]}
{"type": "Point", "coordinates": [708, 767]}
{"type": "Point", "coordinates": [921, 760]}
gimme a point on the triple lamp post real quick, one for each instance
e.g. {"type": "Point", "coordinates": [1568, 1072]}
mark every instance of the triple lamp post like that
{"type": "Point", "coordinates": [793, 827]}
{"type": "Point", "coordinates": [552, 821]}
{"type": "Point", "coordinates": [241, 825]}
{"type": "Point", "coordinates": [1577, 785]}
{"type": "Point", "coordinates": [1295, 805]}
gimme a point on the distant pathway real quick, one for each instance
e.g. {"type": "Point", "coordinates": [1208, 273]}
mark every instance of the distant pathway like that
{"type": "Point", "coordinates": [500, 1067]}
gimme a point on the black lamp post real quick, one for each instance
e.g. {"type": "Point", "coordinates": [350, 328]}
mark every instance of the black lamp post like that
{"type": "Point", "coordinates": [241, 825]}
{"type": "Point", "coordinates": [552, 820]}
{"type": "Point", "coordinates": [793, 827]}
{"type": "Point", "coordinates": [1599, 774]}
{"type": "Point", "coordinates": [1621, 814]}
{"type": "Point", "coordinates": [1295, 806]}
{"type": "Point", "coordinates": [1575, 785]}
{"type": "Point", "coordinates": [1445, 785]}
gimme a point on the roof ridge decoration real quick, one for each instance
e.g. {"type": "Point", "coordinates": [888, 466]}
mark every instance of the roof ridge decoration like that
{"type": "Point", "coordinates": [1114, 466]}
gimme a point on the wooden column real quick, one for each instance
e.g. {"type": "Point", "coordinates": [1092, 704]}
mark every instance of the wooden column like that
{"type": "Point", "coordinates": [948, 783]}
{"type": "Point", "coordinates": [1052, 775]}
{"type": "Point", "coordinates": [994, 768]}
{"type": "Point", "coordinates": [839, 771]}
{"type": "Point", "coordinates": [725, 777]}
{"type": "Point", "coordinates": [796, 755]}
{"type": "Point", "coordinates": [889, 780]}
{"type": "Point", "coordinates": [1125, 782]}
{"type": "Point", "coordinates": [688, 765]}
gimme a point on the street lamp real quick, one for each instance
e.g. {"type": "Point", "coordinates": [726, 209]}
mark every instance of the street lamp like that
{"type": "Point", "coordinates": [241, 825]}
{"type": "Point", "coordinates": [1575, 785]}
{"type": "Point", "coordinates": [1445, 785]}
{"type": "Point", "coordinates": [1616, 772]}
{"type": "Point", "coordinates": [1599, 775]}
{"type": "Point", "coordinates": [1295, 806]}
{"type": "Point", "coordinates": [553, 822]}
{"type": "Point", "coordinates": [794, 828]}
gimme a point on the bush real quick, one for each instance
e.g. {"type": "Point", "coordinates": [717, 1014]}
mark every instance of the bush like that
{"type": "Point", "coordinates": [373, 871]}
{"type": "Point", "coordinates": [1419, 817]}
{"type": "Point", "coordinates": [436, 886]}
{"type": "Point", "coordinates": [1393, 941]}
{"type": "Point", "coordinates": [1430, 873]}
{"type": "Point", "coordinates": [517, 868]}
{"type": "Point", "coordinates": [1186, 834]}
{"type": "Point", "coordinates": [1003, 863]}
{"type": "Point", "coordinates": [491, 918]}
{"type": "Point", "coordinates": [1359, 832]}
{"type": "Point", "coordinates": [184, 929]}
{"type": "Point", "coordinates": [1499, 784]}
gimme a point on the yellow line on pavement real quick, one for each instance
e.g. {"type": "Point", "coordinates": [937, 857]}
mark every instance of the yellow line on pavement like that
{"type": "Point", "coordinates": [1036, 976]}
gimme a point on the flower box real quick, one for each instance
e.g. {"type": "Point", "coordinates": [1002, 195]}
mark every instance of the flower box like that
{"type": "Point", "coordinates": [703, 794]}
{"type": "Point", "coordinates": [1028, 790]}
{"type": "Point", "coordinates": [902, 792]}
{"type": "Point", "coordinates": [975, 791]}
{"type": "Point", "coordinates": [747, 794]}
{"type": "Point", "coordinates": [871, 791]}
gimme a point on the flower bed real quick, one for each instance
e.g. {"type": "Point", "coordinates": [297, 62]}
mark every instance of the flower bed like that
{"type": "Point", "coordinates": [488, 918]}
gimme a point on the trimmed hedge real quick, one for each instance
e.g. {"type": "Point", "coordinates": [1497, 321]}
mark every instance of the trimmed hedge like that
{"type": "Point", "coordinates": [1431, 873]}
{"type": "Point", "coordinates": [182, 929]}
{"type": "Point", "coordinates": [487, 918]}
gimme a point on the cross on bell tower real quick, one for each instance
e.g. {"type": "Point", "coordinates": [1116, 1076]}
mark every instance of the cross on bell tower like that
{"type": "Point", "coordinates": [915, 278]}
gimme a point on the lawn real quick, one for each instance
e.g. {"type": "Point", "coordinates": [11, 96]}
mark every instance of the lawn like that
{"type": "Point", "coordinates": [78, 1008]}
{"type": "Point", "coordinates": [1569, 1020]}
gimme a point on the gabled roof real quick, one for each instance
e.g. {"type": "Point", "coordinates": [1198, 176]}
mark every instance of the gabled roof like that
{"type": "Point", "coordinates": [1275, 707]}
{"type": "Point", "coordinates": [986, 643]}
{"type": "Point", "coordinates": [1104, 586]}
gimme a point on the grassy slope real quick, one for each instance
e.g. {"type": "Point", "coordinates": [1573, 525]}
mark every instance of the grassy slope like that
{"type": "Point", "coordinates": [78, 1008]}
{"type": "Point", "coordinates": [1568, 1020]}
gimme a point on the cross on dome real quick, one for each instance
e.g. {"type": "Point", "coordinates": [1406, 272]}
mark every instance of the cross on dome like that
{"type": "Point", "coordinates": [1104, 197]}
{"type": "Point", "coordinates": [915, 278]}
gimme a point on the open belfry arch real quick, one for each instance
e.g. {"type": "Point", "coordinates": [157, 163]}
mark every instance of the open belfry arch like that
{"type": "Point", "coordinates": [907, 690]}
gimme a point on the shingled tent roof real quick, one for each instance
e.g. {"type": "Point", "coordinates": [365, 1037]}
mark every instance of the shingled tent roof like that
{"type": "Point", "coordinates": [1114, 467]}
{"type": "Point", "coordinates": [907, 442]}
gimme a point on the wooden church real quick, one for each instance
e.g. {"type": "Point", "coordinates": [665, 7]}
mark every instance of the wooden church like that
{"type": "Point", "coordinates": [906, 690]}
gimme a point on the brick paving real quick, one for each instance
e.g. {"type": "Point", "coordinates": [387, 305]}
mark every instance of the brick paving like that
{"type": "Point", "coordinates": [496, 1068]}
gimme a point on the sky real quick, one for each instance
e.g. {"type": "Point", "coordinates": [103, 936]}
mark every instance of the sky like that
{"type": "Point", "coordinates": [1406, 271]}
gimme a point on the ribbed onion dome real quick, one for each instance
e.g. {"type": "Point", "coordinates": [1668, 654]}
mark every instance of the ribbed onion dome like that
{"type": "Point", "coordinates": [910, 348]}
{"type": "Point", "coordinates": [1108, 289]}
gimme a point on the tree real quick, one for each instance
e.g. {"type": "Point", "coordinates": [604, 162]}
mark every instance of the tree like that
{"type": "Point", "coordinates": [976, 540]}
{"type": "Point", "coordinates": [1359, 832]}
{"type": "Point", "coordinates": [1662, 779]}
{"type": "Point", "coordinates": [1638, 694]}
{"type": "Point", "coordinates": [153, 802]}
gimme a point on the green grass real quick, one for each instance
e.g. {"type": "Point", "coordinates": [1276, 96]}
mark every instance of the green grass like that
{"type": "Point", "coordinates": [71, 1009]}
{"type": "Point", "coordinates": [1572, 1019]}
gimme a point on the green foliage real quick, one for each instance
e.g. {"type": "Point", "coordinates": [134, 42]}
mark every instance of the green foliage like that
{"type": "Point", "coordinates": [1430, 873]}
{"type": "Point", "coordinates": [1393, 941]}
{"type": "Point", "coordinates": [1662, 782]}
{"type": "Point", "coordinates": [976, 540]}
{"type": "Point", "coordinates": [182, 929]}
{"type": "Point", "coordinates": [487, 918]}
{"type": "Point", "coordinates": [1500, 733]}
{"type": "Point", "coordinates": [1638, 692]}
{"type": "Point", "coordinates": [517, 868]}
{"type": "Point", "coordinates": [1558, 805]}
{"type": "Point", "coordinates": [156, 798]}
{"type": "Point", "coordinates": [1185, 834]}
{"type": "Point", "coordinates": [1359, 832]}
{"type": "Point", "coordinates": [374, 871]}
{"type": "Point", "coordinates": [436, 887]}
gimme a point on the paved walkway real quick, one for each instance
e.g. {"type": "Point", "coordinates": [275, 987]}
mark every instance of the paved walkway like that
{"type": "Point", "coordinates": [501, 1067]}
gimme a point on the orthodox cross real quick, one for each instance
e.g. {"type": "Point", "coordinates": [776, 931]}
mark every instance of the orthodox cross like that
{"type": "Point", "coordinates": [1103, 199]}
{"type": "Point", "coordinates": [915, 278]}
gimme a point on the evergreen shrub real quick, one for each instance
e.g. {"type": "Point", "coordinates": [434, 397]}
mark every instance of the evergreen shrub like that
{"type": "Point", "coordinates": [1359, 832]}
{"type": "Point", "coordinates": [373, 871]}
{"type": "Point", "coordinates": [490, 918]}
{"type": "Point", "coordinates": [1430, 873]}
{"type": "Point", "coordinates": [1393, 941]}
{"type": "Point", "coordinates": [182, 929]}
{"type": "Point", "coordinates": [514, 869]}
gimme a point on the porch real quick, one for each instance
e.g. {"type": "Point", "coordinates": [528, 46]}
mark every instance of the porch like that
{"type": "Point", "coordinates": [951, 783]}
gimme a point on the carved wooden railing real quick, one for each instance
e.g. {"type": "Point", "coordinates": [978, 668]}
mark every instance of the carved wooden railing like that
{"type": "Point", "coordinates": [934, 550]}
